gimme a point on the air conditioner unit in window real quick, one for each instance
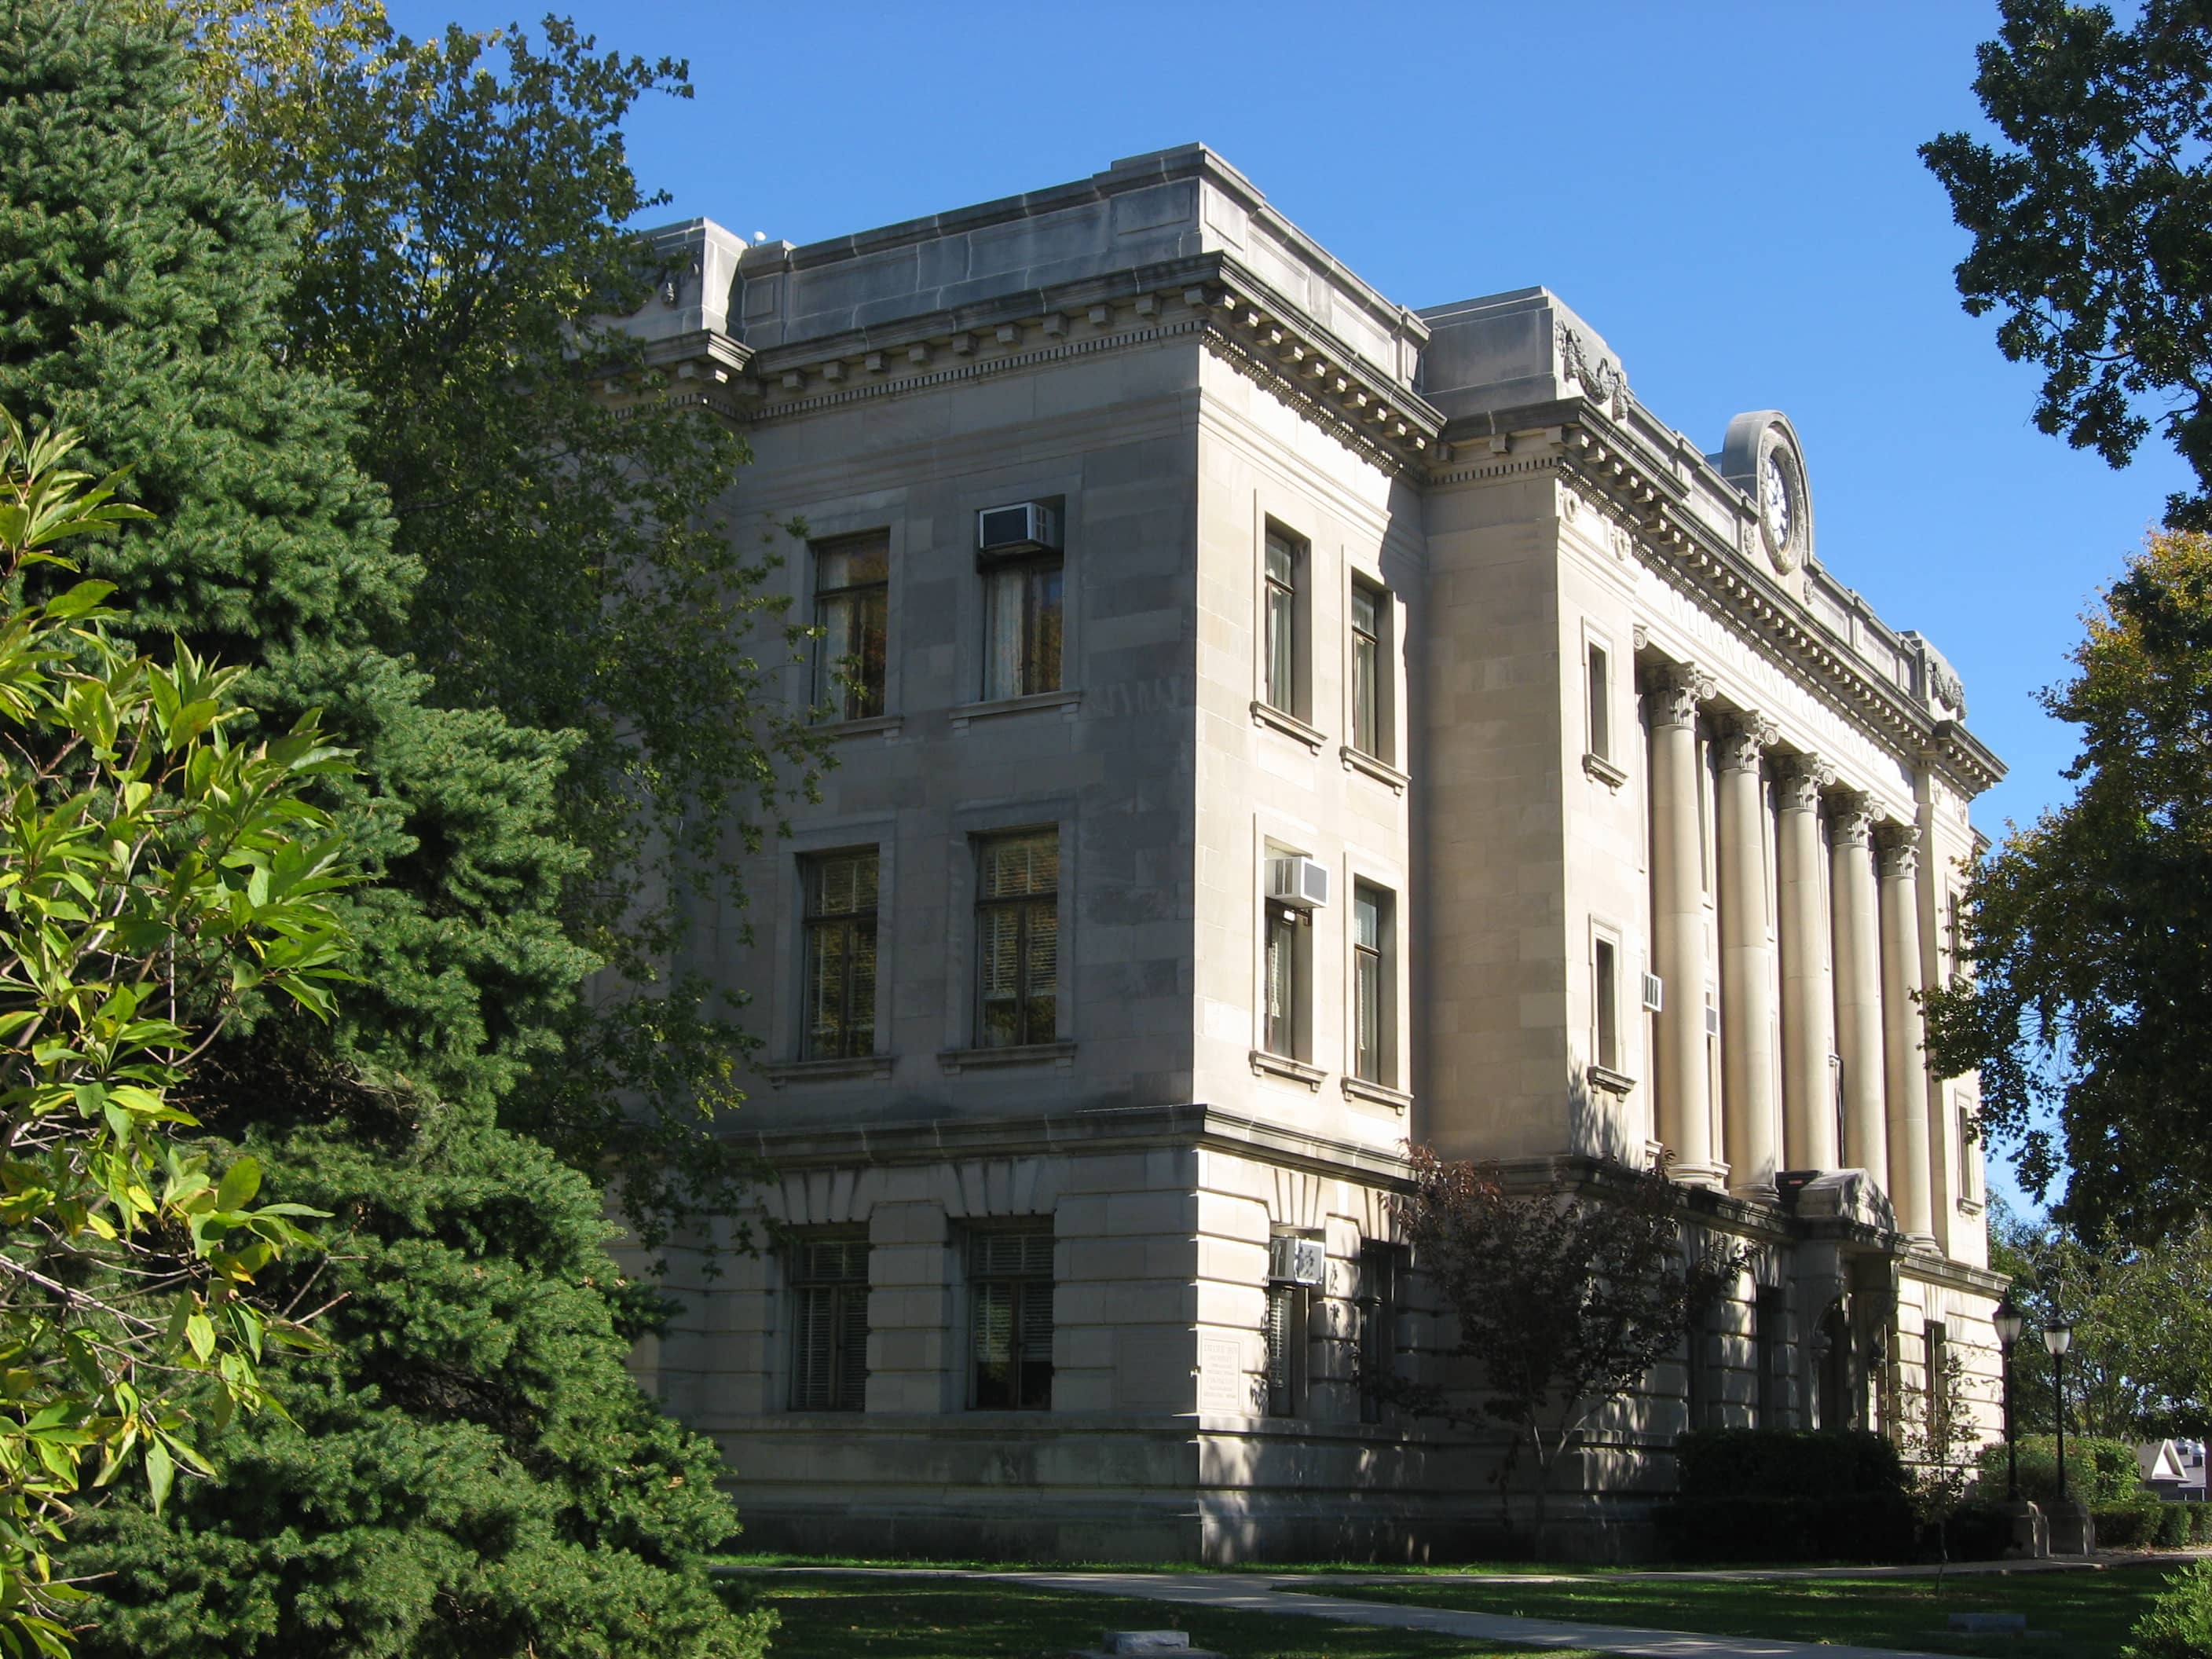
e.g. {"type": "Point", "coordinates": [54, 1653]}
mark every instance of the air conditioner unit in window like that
{"type": "Point", "coordinates": [1293, 1261]}
{"type": "Point", "coordinates": [1298, 881]}
{"type": "Point", "coordinates": [1653, 993]}
{"type": "Point", "coordinates": [1005, 533]}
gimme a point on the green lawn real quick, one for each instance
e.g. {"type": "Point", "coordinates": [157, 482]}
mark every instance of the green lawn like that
{"type": "Point", "coordinates": [769, 1560]}
{"type": "Point", "coordinates": [838, 1618]}
{"type": "Point", "coordinates": [2090, 1613]}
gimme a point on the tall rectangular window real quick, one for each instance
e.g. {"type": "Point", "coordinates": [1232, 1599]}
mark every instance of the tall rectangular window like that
{"type": "Point", "coordinates": [1938, 1338]}
{"type": "Point", "coordinates": [1605, 997]}
{"type": "Point", "coordinates": [1283, 556]}
{"type": "Point", "coordinates": [1281, 1033]}
{"type": "Point", "coordinates": [1022, 627]}
{"type": "Point", "coordinates": [852, 607]}
{"type": "Point", "coordinates": [1372, 1013]}
{"type": "Point", "coordinates": [1018, 940]}
{"type": "Point", "coordinates": [1601, 704]}
{"type": "Point", "coordinates": [1767, 1313]}
{"type": "Point", "coordinates": [1970, 1171]}
{"type": "Point", "coordinates": [1369, 735]}
{"type": "Point", "coordinates": [1010, 1319]}
{"type": "Point", "coordinates": [841, 956]}
{"type": "Point", "coordinates": [828, 1279]}
{"type": "Point", "coordinates": [1381, 1268]}
{"type": "Point", "coordinates": [1286, 1350]}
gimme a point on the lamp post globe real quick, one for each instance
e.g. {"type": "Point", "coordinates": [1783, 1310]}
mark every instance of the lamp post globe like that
{"type": "Point", "coordinates": [2057, 1338]}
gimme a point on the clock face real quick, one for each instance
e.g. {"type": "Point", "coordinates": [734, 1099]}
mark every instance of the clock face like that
{"type": "Point", "coordinates": [1774, 501]}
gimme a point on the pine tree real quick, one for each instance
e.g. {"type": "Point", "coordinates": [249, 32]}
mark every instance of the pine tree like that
{"type": "Point", "coordinates": [471, 1472]}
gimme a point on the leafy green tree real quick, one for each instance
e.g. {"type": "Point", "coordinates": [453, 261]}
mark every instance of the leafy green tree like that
{"type": "Point", "coordinates": [465, 201]}
{"type": "Point", "coordinates": [155, 878]}
{"type": "Point", "coordinates": [2092, 219]}
{"type": "Point", "coordinates": [1565, 1296]}
{"type": "Point", "coordinates": [2089, 932]}
{"type": "Point", "coordinates": [472, 1470]}
{"type": "Point", "coordinates": [2141, 1364]}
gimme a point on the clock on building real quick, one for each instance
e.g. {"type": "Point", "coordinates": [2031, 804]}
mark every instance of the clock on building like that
{"type": "Point", "coordinates": [1775, 509]}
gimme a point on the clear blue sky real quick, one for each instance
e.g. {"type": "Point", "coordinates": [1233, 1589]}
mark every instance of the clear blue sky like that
{"type": "Point", "coordinates": [1728, 192]}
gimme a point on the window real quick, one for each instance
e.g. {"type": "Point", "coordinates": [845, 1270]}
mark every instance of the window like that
{"type": "Point", "coordinates": [1970, 1168]}
{"type": "Point", "coordinates": [1010, 1315]}
{"type": "Point", "coordinates": [841, 956]}
{"type": "Point", "coordinates": [852, 607]}
{"type": "Point", "coordinates": [1371, 1011]}
{"type": "Point", "coordinates": [1285, 555]}
{"type": "Point", "coordinates": [830, 1324]}
{"type": "Point", "coordinates": [1018, 940]}
{"type": "Point", "coordinates": [1605, 995]}
{"type": "Point", "coordinates": [1283, 947]}
{"type": "Point", "coordinates": [1022, 627]}
{"type": "Point", "coordinates": [1370, 728]}
{"type": "Point", "coordinates": [1766, 1313]}
{"type": "Point", "coordinates": [1381, 1268]}
{"type": "Point", "coordinates": [1287, 1306]}
{"type": "Point", "coordinates": [1938, 1339]}
{"type": "Point", "coordinates": [1601, 704]}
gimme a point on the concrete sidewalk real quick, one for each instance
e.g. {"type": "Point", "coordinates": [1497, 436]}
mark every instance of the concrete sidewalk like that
{"type": "Point", "coordinates": [1250, 1593]}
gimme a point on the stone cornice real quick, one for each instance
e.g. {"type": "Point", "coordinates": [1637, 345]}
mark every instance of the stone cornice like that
{"type": "Point", "coordinates": [1642, 493]}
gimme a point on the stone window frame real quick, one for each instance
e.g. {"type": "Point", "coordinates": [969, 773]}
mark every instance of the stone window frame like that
{"type": "Point", "coordinates": [1297, 1063]}
{"type": "Point", "coordinates": [1361, 868]}
{"type": "Point", "coordinates": [824, 688]}
{"type": "Point", "coordinates": [796, 1284]}
{"type": "Point", "coordinates": [961, 956]}
{"type": "Point", "coordinates": [963, 1243]}
{"type": "Point", "coordinates": [831, 519]}
{"type": "Point", "coordinates": [1601, 748]}
{"type": "Point", "coordinates": [786, 995]}
{"type": "Point", "coordinates": [1610, 1073]}
{"type": "Point", "coordinates": [1055, 487]}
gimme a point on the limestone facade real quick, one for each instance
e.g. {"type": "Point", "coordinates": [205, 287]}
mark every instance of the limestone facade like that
{"type": "Point", "coordinates": [1639, 831]}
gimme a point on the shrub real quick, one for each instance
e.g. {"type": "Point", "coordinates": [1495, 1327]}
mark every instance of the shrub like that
{"type": "Point", "coordinates": [1785, 1463]}
{"type": "Point", "coordinates": [2097, 1472]}
{"type": "Point", "coordinates": [2199, 1522]}
{"type": "Point", "coordinates": [1777, 1495]}
{"type": "Point", "coordinates": [2173, 1525]}
{"type": "Point", "coordinates": [2178, 1624]}
{"type": "Point", "coordinates": [1978, 1531]}
{"type": "Point", "coordinates": [2131, 1523]}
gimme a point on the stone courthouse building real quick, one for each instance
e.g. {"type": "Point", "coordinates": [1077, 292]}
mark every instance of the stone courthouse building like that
{"type": "Point", "coordinates": [1274, 725]}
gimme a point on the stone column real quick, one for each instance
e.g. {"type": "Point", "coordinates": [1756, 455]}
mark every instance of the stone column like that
{"type": "Point", "coordinates": [1807, 1034]}
{"type": "Point", "coordinates": [1858, 985]}
{"type": "Point", "coordinates": [1911, 1183]}
{"type": "Point", "coordinates": [1747, 1094]}
{"type": "Point", "coordinates": [1684, 1114]}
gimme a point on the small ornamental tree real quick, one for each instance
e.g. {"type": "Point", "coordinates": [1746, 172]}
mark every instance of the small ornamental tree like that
{"type": "Point", "coordinates": [1566, 1296]}
{"type": "Point", "coordinates": [1940, 1438]}
{"type": "Point", "coordinates": [155, 877]}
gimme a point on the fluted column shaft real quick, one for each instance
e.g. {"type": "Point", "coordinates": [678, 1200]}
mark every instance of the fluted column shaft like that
{"type": "Point", "coordinates": [1685, 1119]}
{"type": "Point", "coordinates": [1911, 1183]}
{"type": "Point", "coordinates": [1748, 1094]}
{"type": "Point", "coordinates": [1807, 1033]}
{"type": "Point", "coordinates": [1858, 987]}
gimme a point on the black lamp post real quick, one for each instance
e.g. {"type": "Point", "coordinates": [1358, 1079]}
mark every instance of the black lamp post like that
{"type": "Point", "coordinates": [2058, 1337]}
{"type": "Point", "coordinates": [2008, 1321]}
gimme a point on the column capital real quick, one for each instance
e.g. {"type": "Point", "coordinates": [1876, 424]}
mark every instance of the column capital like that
{"type": "Point", "coordinates": [1851, 818]}
{"type": "Point", "coordinates": [1744, 739]}
{"type": "Point", "coordinates": [1675, 689]}
{"type": "Point", "coordinates": [1802, 777]}
{"type": "Point", "coordinates": [1898, 845]}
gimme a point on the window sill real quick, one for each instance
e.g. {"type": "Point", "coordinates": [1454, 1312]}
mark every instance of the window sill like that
{"type": "Point", "coordinates": [1604, 771]}
{"type": "Point", "coordinates": [1969, 1206]}
{"type": "Point", "coordinates": [1375, 1094]}
{"type": "Point", "coordinates": [887, 723]}
{"type": "Point", "coordinates": [1605, 1078]}
{"type": "Point", "coordinates": [955, 1061]}
{"type": "Point", "coordinates": [1380, 770]}
{"type": "Point", "coordinates": [781, 1072]}
{"type": "Point", "coordinates": [1067, 701]}
{"type": "Point", "coordinates": [1265, 713]}
{"type": "Point", "coordinates": [1295, 1071]}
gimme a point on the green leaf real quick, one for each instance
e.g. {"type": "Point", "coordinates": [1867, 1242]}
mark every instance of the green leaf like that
{"type": "Point", "coordinates": [240, 1183]}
